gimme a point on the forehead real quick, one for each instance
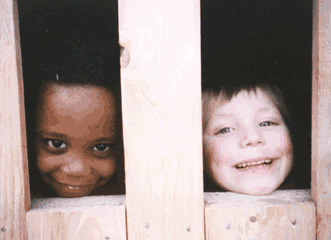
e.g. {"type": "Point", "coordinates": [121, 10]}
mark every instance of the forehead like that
{"type": "Point", "coordinates": [243, 103]}
{"type": "Point", "coordinates": [74, 92]}
{"type": "Point", "coordinates": [77, 106]}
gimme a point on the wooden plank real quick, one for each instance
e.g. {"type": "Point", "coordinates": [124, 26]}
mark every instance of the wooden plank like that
{"type": "Point", "coordinates": [280, 215]}
{"type": "Point", "coordinates": [161, 103]}
{"type": "Point", "coordinates": [90, 218]}
{"type": "Point", "coordinates": [321, 115]}
{"type": "Point", "coordinates": [14, 196]}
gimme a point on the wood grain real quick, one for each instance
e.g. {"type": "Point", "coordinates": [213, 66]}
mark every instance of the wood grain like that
{"type": "Point", "coordinates": [321, 115]}
{"type": "Point", "coordinates": [161, 103]}
{"type": "Point", "coordinates": [14, 196]}
{"type": "Point", "coordinates": [282, 215]}
{"type": "Point", "coordinates": [88, 218]}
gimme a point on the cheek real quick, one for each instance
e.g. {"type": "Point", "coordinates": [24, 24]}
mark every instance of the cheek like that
{"type": "Point", "coordinates": [105, 168]}
{"type": "Point", "coordinates": [281, 141]}
{"type": "Point", "coordinates": [47, 163]}
{"type": "Point", "coordinates": [219, 152]}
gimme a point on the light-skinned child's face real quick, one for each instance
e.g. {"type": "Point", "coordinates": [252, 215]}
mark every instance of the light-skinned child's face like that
{"type": "Point", "coordinates": [77, 138]}
{"type": "Point", "coordinates": [247, 145]}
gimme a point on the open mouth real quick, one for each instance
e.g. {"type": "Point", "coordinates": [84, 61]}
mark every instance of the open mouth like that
{"type": "Point", "coordinates": [257, 164]}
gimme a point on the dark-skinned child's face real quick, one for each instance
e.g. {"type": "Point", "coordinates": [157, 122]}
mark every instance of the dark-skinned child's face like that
{"type": "Point", "coordinates": [78, 133]}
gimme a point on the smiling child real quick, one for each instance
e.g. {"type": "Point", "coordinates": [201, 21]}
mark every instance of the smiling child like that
{"type": "Point", "coordinates": [77, 137]}
{"type": "Point", "coordinates": [77, 130]}
{"type": "Point", "coordinates": [247, 143]}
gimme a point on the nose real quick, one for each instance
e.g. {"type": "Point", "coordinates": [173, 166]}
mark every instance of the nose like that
{"type": "Point", "coordinates": [76, 165]}
{"type": "Point", "coordinates": [251, 137]}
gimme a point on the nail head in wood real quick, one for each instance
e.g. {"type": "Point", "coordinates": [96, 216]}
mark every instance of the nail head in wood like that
{"type": "Point", "coordinates": [253, 219]}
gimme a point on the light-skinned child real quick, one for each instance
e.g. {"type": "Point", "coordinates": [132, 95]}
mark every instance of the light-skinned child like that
{"type": "Point", "coordinates": [77, 133]}
{"type": "Point", "coordinates": [246, 136]}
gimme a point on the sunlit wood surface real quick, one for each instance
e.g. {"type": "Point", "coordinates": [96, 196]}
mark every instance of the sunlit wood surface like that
{"type": "Point", "coordinates": [281, 215]}
{"type": "Point", "coordinates": [161, 102]}
{"type": "Point", "coordinates": [88, 218]}
{"type": "Point", "coordinates": [321, 115]}
{"type": "Point", "coordinates": [14, 195]}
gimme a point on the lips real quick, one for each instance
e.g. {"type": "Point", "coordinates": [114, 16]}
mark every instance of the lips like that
{"type": "Point", "coordinates": [71, 185]}
{"type": "Point", "coordinates": [74, 186]}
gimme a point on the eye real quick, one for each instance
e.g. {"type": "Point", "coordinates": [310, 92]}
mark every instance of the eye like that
{"type": "Point", "coordinates": [267, 124]}
{"type": "Point", "coordinates": [226, 130]}
{"type": "Point", "coordinates": [101, 147]}
{"type": "Point", "coordinates": [55, 144]}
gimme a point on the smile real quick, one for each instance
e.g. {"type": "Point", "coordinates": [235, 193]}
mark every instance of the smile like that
{"type": "Point", "coordinates": [73, 187]}
{"type": "Point", "coordinates": [259, 163]}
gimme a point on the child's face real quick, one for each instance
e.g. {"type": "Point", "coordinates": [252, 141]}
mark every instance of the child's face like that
{"type": "Point", "coordinates": [78, 133]}
{"type": "Point", "coordinates": [247, 145]}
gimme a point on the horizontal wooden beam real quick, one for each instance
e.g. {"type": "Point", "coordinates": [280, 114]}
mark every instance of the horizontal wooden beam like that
{"type": "Point", "coordinates": [281, 215]}
{"type": "Point", "coordinates": [88, 218]}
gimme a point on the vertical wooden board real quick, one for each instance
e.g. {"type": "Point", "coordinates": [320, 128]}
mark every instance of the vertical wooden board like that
{"type": "Point", "coordinates": [281, 215]}
{"type": "Point", "coordinates": [14, 195]}
{"type": "Point", "coordinates": [321, 115]}
{"type": "Point", "coordinates": [89, 218]}
{"type": "Point", "coordinates": [161, 103]}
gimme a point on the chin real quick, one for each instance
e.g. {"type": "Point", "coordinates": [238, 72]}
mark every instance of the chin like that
{"type": "Point", "coordinates": [255, 189]}
{"type": "Point", "coordinates": [71, 195]}
{"type": "Point", "coordinates": [65, 192]}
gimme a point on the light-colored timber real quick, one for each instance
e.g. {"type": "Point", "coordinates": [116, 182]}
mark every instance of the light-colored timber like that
{"type": "Point", "coordinates": [14, 195]}
{"type": "Point", "coordinates": [162, 136]}
{"type": "Point", "coordinates": [161, 103]}
{"type": "Point", "coordinates": [321, 115]}
{"type": "Point", "coordinates": [281, 215]}
{"type": "Point", "coordinates": [88, 218]}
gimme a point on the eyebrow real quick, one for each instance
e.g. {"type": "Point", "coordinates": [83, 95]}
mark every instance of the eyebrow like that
{"type": "Point", "coordinates": [105, 139]}
{"type": "Point", "coordinates": [263, 109]}
{"type": "Point", "coordinates": [260, 110]}
{"type": "Point", "coordinates": [54, 134]}
{"type": "Point", "coordinates": [266, 109]}
{"type": "Point", "coordinates": [223, 115]}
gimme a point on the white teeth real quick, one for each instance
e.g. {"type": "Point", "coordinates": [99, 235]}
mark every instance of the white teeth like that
{"type": "Point", "coordinates": [243, 165]}
{"type": "Point", "coordinates": [72, 187]}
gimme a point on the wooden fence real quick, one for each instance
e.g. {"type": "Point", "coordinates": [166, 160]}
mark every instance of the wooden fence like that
{"type": "Point", "coordinates": [164, 186]}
